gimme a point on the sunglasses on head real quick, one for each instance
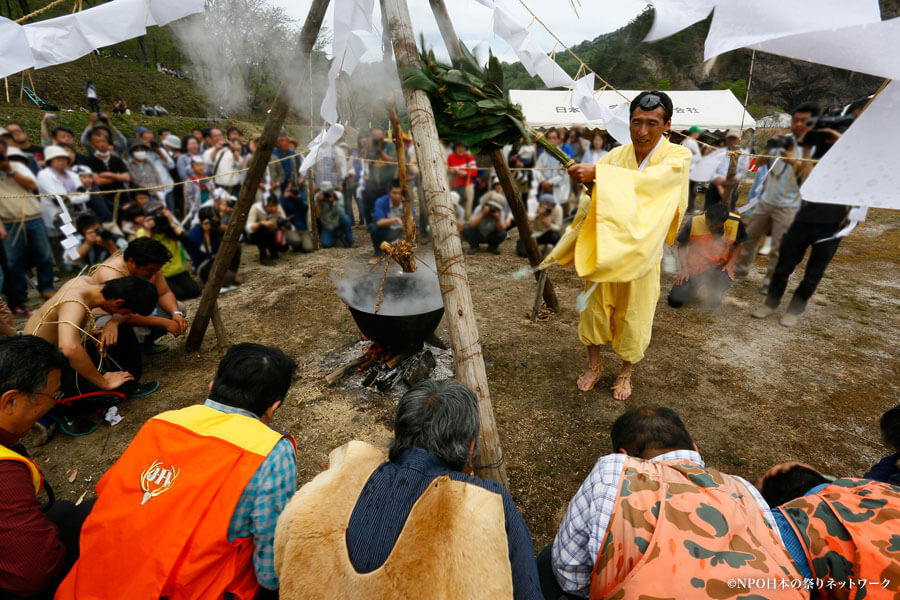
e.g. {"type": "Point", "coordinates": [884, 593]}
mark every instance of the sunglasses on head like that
{"type": "Point", "coordinates": [650, 102]}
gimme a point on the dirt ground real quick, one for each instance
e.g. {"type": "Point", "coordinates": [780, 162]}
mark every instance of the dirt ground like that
{"type": "Point", "coordinates": [751, 392]}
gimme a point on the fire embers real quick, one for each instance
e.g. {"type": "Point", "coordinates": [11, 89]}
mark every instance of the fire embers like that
{"type": "Point", "coordinates": [385, 371]}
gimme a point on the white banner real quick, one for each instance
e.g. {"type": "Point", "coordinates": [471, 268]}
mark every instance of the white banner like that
{"type": "Point", "coordinates": [56, 41]}
{"type": "Point", "coordinates": [130, 17]}
{"type": "Point", "coordinates": [15, 53]}
{"type": "Point", "coordinates": [671, 16]}
{"type": "Point", "coordinates": [860, 169]}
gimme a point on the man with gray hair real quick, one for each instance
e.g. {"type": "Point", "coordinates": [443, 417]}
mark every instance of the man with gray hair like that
{"type": "Point", "coordinates": [419, 525]}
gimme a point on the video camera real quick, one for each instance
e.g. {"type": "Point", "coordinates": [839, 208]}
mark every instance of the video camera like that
{"type": "Point", "coordinates": [782, 142]}
{"type": "Point", "coordinates": [830, 120]}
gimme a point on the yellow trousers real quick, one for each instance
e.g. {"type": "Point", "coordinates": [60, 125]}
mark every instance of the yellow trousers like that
{"type": "Point", "coordinates": [621, 314]}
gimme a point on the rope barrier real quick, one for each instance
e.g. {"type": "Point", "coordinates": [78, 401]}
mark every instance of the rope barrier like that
{"type": "Point", "coordinates": [39, 11]}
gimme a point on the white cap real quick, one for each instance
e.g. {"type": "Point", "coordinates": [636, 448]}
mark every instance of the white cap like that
{"type": "Point", "coordinates": [51, 152]}
{"type": "Point", "coordinates": [172, 141]}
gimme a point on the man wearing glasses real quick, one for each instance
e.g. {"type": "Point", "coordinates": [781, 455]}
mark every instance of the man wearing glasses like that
{"type": "Point", "coordinates": [37, 544]}
{"type": "Point", "coordinates": [640, 192]}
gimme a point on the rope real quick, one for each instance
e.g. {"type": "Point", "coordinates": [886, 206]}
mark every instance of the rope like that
{"type": "Point", "coordinates": [39, 11]}
{"type": "Point", "coordinates": [569, 50]}
{"type": "Point", "coordinates": [749, 83]}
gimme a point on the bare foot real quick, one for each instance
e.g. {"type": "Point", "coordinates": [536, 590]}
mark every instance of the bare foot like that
{"type": "Point", "coordinates": [621, 389]}
{"type": "Point", "coordinates": [590, 377]}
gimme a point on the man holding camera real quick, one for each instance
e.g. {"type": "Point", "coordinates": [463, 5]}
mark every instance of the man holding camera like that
{"type": "Point", "coordinates": [778, 204]}
{"type": "Point", "coordinates": [223, 159]}
{"type": "Point", "coordinates": [813, 227]}
{"type": "Point", "coordinates": [334, 223]}
{"type": "Point", "coordinates": [488, 225]}
{"type": "Point", "coordinates": [270, 230]}
{"type": "Point", "coordinates": [97, 244]}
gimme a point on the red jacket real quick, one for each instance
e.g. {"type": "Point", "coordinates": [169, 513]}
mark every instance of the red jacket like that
{"type": "Point", "coordinates": [467, 161]}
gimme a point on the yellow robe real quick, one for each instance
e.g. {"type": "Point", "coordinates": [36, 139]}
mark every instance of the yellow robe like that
{"type": "Point", "coordinates": [616, 239]}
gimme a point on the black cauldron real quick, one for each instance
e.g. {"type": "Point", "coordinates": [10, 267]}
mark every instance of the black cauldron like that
{"type": "Point", "coordinates": [411, 308]}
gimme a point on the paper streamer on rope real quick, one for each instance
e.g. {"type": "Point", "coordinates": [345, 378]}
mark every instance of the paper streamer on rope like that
{"type": "Point", "coordinates": [15, 52]}
{"type": "Point", "coordinates": [706, 167]}
{"type": "Point", "coordinates": [163, 12]}
{"type": "Point", "coordinates": [752, 202]}
{"type": "Point", "coordinates": [671, 16]}
{"type": "Point", "coordinates": [129, 16]}
{"type": "Point", "coordinates": [854, 217]}
{"type": "Point", "coordinates": [350, 17]}
{"type": "Point", "coordinates": [737, 24]}
{"type": "Point", "coordinates": [860, 169]}
{"type": "Point", "coordinates": [860, 48]}
{"type": "Point", "coordinates": [535, 60]}
{"type": "Point", "coordinates": [69, 37]}
{"type": "Point", "coordinates": [56, 41]}
{"type": "Point", "coordinates": [69, 243]}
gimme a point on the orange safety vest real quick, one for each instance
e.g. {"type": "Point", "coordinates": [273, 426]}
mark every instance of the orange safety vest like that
{"type": "Point", "coordinates": [679, 530]}
{"type": "Point", "coordinates": [159, 527]}
{"type": "Point", "coordinates": [707, 250]}
{"type": "Point", "coordinates": [36, 477]}
{"type": "Point", "coordinates": [850, 532]}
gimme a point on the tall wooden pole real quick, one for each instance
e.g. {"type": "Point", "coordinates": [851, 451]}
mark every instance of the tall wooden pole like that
{"type": "Point", "coordinates": [731, 176]}
{"type": "Point", "coordinates": [448, 256]}
{"type": "Point", "coordinates": [255, 174]}
{"type": "Point", "coordinates": [501, 168]}
{"type": "Point", "coordinates": [409, 224]}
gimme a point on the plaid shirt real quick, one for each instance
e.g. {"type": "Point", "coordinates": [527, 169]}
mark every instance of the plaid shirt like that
{"type": "Point", "coordinates": [265, 496]}
{"type": "Point", "coordinates": [584, 527]}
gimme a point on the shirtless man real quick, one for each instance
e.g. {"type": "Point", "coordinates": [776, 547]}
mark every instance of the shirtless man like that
{"type": "Point", "coordinates": [143, 257]}
{"type": "Point", "coordinates": [68, 314]}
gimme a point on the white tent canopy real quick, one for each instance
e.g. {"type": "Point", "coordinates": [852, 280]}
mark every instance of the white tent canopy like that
{"type": "Point", "coordinates": [709, 109]}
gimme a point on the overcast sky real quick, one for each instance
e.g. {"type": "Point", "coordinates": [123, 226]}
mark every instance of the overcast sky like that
{"type": "Point", "coordinates": [474, 24]}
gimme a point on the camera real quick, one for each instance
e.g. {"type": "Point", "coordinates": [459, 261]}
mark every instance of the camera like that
{"type": "Point", "coordinates": [231, 202]}
{"type": "Point", "coordinates": [830, 120]}
{"type": "Point", "coordinates": [282, 222]}
{"type": "Point", "coordinates": [782, 142]}
{"type": "Point", "coordinates": [105, 235]}
{"type": "Point", "coordinates": [215, 223]}
{"type": "Point", "coordinates": [493, 209]}
{"type": "Point", "coordinates": [80, 189]}
{"type": "Point", "coordinates": [154, 145]}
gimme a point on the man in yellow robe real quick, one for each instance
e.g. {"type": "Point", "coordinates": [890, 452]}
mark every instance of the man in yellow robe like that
{"type": "Point", "coordinates": [639, 195]}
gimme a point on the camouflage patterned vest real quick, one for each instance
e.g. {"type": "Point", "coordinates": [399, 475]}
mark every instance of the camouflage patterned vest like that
{"type": "Point", "coordinates": [684, 531]}
{"type": "Point", "coordinates": [850, 532]}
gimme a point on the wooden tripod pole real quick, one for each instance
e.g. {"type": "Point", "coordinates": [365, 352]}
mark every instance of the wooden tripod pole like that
{"type": "Point", "coordinates": [732, 175]}
{"type": "Point", "coordinates": [409, 225]}
{"type": "Point", "coordinates": [255, 174]}
{"type": "Point", "coordinates": [448, 256]}
{"type": "Point", "coordinates": [501, 168]}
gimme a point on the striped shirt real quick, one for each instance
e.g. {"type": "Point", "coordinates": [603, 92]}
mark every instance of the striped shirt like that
{"type": "Point", "coordinates": [582, 531]}
{"type": "Point", "coordinates": [265, 496]}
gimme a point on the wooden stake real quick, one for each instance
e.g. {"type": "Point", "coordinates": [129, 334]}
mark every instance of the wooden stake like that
{"type": "Point", "coordinates": [409, 223]}
{"type": "Point", "coordinates": [732, 175]}
{"type": "Point", "coordinates": [255, 173]}
{"type": "Point", "coordinates": [542, 282]}
{"type": "Point", "coordinates": [448, 255]}
{"type": "Point", "coordinates": [313, 207]}
{"type": "Point", "coordinates": [501, 168]}
{"type": "Point", "coordinates": [219, 327]}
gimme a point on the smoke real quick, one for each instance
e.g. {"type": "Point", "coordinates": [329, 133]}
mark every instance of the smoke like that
{"type": "Point", "coordinates": [404, 293]}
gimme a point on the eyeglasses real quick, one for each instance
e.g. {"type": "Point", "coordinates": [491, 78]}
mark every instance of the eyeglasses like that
{"type": "Point", "coordinates": [54, 397]}
{"type": "Point", "coordinates": [650, 102]}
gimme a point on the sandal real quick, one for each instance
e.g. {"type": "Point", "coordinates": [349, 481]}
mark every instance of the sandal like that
{"type": "Point", "coordinates": [596, 371]}
{"type": "Point", "coordinates": [622, 386]}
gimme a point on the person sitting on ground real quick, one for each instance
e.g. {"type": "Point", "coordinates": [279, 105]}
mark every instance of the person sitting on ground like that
{"type": "Point", "coordinates": [38, 544]}
{"type": "Point", "coordinates": [160, 224]}
{"type": "Point", "coordinates": [546, 225]}
{"type": "Point", "coordinates": [388, 224]}
{"type": "Point", "coordinates": [655, 493]}
{"type": "Point", "coordinates": [215, 478]}
{"type": "Point", "coordinates": [144, 257]}
{"type": "Point", "coordinates": [160, 111]}
{"type": "Point", "coordinates": [269, 228]}
{"type": "Point", "coordinates": [119, 107]}
{"type": "Point", "coordinates": [148, 110]}
{"type": "Point", "coordinates": [335, 225]}
{"type": "Point", "coordinates": [207, 238]}
{"type": "Point", "coordinates": [837, 532]}
{"type": "Point", "coordinates": [67, 320]}
{"type": "Point", "coordinates": [372, 522]}
{"type": "Point", "coordinates": [708, 246]}
{"type": "Point", "coordinates": [488, 224]}
{"type": "Point", "coordinates": [97, 244]}
{"type": "Point", "coordinates": [888, 468]}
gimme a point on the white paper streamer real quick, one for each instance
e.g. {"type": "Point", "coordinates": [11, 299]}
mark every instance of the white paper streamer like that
{"type": "Point", "coordinates": [706, 166]}
{"type": "Point", "coordinates": [56, 41]}
{"type": "Point", "coordinates": [860, 169]}
{"type": "Point", "coordinates": [671, 16]}
{"type": "Point", "coordinates": [752, 202]}
{"type": "Point", "coordinates": [163, 12]}
{"type": "Point", "coordinates": [861, 48]}
{"type": "Point", "coordinates": [332, 135]}
{"type": "Point", "coordinates": [856, 214]}
{"type": "Point", "coordinates": [737, 23]}
{"type": "Point", "coordinates": [15, 52]}
{"type": "Point", "coordinates": [129, 16]}
{"type": "Point", "coordinates": [69, 242]}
